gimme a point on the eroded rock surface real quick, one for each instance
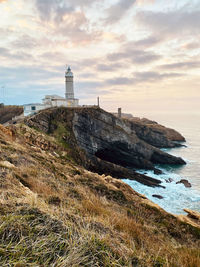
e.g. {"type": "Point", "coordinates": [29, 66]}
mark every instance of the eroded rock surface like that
{"type": "Point", "coordinates": [109, 143]}
{"type": "Point", "coordinates": [155, 134]}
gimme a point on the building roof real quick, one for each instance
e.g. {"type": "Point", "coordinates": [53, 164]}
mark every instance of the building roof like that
{"type": "Point", "coordinates": [34, 104]}
{"type": "Point", "coordinates": [55, 97]}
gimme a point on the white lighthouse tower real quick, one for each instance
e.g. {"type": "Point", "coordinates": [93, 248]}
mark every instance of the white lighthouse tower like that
{"type": "Point", "coordinates": [69, 88]}
{"type": "Point", "coordinates": [69, 84]}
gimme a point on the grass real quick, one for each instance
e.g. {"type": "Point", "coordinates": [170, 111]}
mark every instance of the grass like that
{"type": "Point", "coordinates": [55, 213]}
{"type": "Point", "coordinates": [8, 112]}
{"type": "Point", "coordinates": [33, 237]}
{"type": "Point", "coordinates": [62, 135]}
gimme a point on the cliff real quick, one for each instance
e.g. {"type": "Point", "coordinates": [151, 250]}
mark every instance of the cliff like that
{"type": "Point", "coordinates": [54, 212]}
{"type": "Point", "coordinates": [155, 134]}
{"type": "Point", "coordinates": [103, 142]}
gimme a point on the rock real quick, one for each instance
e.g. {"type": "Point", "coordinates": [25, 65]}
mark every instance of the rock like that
{"type": "Point", "coordinates": [158, 196]}
{"type": "Point", "coordinates": [193, 214]}
{"type": "Point", "coordinates": [155, 134]}
{"type": "Point", "coordinates": [106, 168]}
{"type": "Point", "coordinates": [38, 140]}
{"type": "Point", "coordinates": [99, 139]}
{"type": "Point", "coordinates": [157, 171]}
{"type": "Point", "coordinates": [185, 182]}
{"type": "Point", "coordinates": [169, 180]}
{"type": "Point", "coordinates": [6, 164]}
{"type": "Point", "coordinates": [7, 131]}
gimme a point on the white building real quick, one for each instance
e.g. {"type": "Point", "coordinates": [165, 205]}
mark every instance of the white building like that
{"type": "Point", "coordinates": [55, 100]}
{"type": "Point", "coordinates": [31, 109]}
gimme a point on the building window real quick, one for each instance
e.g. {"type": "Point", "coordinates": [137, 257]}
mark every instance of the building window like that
{"type": "Point", "coordinates": [33, 108]}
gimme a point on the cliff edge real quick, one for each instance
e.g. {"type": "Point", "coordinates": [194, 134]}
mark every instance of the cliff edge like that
{"type": "Point", "coordinates": [155, 134]}
{"type": "Point", "coordinates": [102, 142]}
{"type": "Point", "coordinates": [54, 212]}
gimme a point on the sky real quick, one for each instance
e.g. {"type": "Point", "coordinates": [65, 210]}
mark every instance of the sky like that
{"type": "Point", "coordinates": [141, 55]}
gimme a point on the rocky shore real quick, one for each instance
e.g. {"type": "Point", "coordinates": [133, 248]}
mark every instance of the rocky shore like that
{"type": "Point", "coordinates": [54, 212]}
{"type": "Point", "coordinates": [106, 144]}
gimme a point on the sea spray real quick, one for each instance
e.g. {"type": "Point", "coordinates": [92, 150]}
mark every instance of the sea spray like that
{"type": "Point", "coordinates": [176, 197]}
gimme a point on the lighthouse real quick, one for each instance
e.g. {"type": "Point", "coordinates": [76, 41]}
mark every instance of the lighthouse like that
{"type": "Point", "coordinates": [69, 84]}
{"type": "Point", "coordinates": [69, 89]}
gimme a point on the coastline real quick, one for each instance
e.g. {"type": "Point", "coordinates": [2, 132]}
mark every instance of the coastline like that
{"type": "Point", "coordinates": [47, 193]}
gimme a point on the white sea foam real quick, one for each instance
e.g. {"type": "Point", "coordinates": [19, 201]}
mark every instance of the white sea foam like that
{"type": "Point", "coordinates": [176, 197]}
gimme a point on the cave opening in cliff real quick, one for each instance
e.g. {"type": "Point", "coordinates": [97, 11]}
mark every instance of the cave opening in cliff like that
{"type": "Point", "coordinates": [117, 153]}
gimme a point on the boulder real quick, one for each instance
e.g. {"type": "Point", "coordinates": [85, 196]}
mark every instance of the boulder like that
{"type": "Point", "coordinates": [158, 196]}
{"type": "Point", "coordinates": [157, 171]}
{"type": "Point", "coordinates": [185, 182]}
{"type": "Point", "coordinates": [193, 214]}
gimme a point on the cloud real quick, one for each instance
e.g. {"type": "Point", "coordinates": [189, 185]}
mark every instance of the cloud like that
{"type": "Point", "coordinates": [26, 74]}
{"type": "Point", "coordinates": [145, 2]}
{"type": "Point", "coordinates": [134, 56]}
{"type": "Point", "coordinates": [75, 29]}
{"type": "Point", "coordinates": [190, 45]}
{"type": "Point", "coordinates": [68, 20]}
{"type": "Point", "coordinates": [118, 10]}
{"type": "Point", "coordinates": [25, 42]}
{"type": "Point", "coordinates": [142, 77]}
{"type": "Point", "coordinates": [119, 81]}
{"type": "Point", "coordinates": [5, 53]}
{"type": "Point", "coordinates": [171, 23]}
{"type": "Point", "coordinates": [146, 42]}
{"type": "Point", "coordinates": [108, 67]}
{"type": "Point", "coordinates": [53, 9]}
{"type": "Point", "coordinates": [182, 65]}
{"type": "Point", "coordinates": [152, 76]}
{"type": "Point", "coordinates": [56, 10]}
{"type": "Point", "coordinates": [5, 32]}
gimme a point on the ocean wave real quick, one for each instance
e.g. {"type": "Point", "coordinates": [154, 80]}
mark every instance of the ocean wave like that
{"type": "Point", "coordinates": [176, 197]}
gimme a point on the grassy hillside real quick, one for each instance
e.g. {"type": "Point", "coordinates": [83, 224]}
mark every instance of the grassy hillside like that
{"type": "Point", "coordinates": [8, 112]}
{"type": "Point", "coordinates": [55, 213]}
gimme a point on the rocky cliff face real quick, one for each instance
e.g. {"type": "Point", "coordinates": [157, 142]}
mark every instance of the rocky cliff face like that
{"type": "Point", "coordinates": [155, 134]}
{"type": "Point", "coordinates": [77, 217]}
{"type": "Point", "coordinates": [111, 139]}
{"type": "Point", "coordinates": [109, 144]}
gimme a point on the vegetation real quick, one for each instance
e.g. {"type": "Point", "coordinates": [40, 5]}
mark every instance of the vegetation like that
{"type": "Point", "coordinates": [55, 213]}
{"type": "Point", "coordinates": [8, 112]}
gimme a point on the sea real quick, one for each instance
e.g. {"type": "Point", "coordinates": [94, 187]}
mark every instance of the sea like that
{"type": "Point", "coordinates": [176, 197]}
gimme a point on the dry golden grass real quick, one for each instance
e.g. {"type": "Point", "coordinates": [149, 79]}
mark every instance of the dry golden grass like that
{"type": "Point", "coordinates": [189, 257]}
{"type": "Point", "coordinates": [54, 213]}
{"type": "Point", "coordinates": [8, 112]}
{"type": "Point", "coordinates": [94, 206]}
